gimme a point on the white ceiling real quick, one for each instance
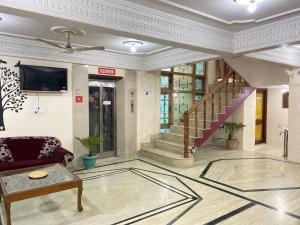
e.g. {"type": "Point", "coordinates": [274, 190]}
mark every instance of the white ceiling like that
{"type": "Point", "coordinates": [288, 55]}
{"type": "Point", "coordinates": [229, 12]}
{"type": "Point", "coordinates": [33, 28]}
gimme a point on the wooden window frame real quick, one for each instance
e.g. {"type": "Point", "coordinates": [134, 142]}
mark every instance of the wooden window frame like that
{"type": "Point", "coordinates": [170, 90]}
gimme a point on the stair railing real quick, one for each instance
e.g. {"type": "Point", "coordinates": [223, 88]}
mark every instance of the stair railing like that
{"type": "Point", "coordinates": [231, 79]}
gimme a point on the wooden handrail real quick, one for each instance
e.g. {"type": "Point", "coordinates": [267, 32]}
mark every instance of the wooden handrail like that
{"type": "Point", "coordinates": [206, 96]}
{"type": "Point", "coordinates": [236, 80]}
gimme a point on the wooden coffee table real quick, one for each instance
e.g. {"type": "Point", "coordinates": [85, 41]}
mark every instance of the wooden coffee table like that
{"type": "Point", "coordinates": [16, 185]}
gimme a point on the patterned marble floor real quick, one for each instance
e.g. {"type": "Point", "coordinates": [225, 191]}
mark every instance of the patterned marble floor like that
{"type": "Point", "coordinates": [224, 188]}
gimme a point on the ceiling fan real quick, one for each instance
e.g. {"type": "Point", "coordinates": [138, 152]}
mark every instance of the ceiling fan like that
{"type": "Point", "coordinates": [68, 48]}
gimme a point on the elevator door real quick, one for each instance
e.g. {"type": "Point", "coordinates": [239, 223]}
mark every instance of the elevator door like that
{"type": "Point", "coordinates": [102, 116]}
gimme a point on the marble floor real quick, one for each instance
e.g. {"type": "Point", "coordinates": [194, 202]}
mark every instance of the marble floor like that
{"type": "Point", "coordinates": [225, 187]}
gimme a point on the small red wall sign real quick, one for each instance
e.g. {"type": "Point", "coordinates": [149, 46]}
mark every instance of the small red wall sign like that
{"type": "Point", "coordinates": [106, 71]}
{"type": "Point", "coordinates": [78, 99]}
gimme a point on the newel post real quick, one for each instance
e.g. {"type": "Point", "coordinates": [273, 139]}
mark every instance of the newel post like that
{"type": "Point", "coordinates": [186, 135]}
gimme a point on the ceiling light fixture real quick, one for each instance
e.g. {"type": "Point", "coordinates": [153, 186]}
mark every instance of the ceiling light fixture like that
{"type": "Point", "coordinates": [250, 3]}
{"type": "Point", "coordinates": [133, 45]}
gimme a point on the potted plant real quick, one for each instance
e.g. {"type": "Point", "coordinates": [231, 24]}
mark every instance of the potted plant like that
{"type": "Point", "coordinates": [231, 128]}
{"type": "Point", "coordinates": [89, 160]}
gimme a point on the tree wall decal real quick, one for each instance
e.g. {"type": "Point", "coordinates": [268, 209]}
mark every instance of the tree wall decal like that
{"type": "Point", "coordinates": [11, 97]}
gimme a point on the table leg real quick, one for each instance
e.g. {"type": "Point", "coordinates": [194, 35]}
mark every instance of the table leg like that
{"type": "Point", "coordinates": [79, 206]}
{"type": "Point", "coordinates": [1, 193]}
{"type": "Point", "coordinates": [7, 209]}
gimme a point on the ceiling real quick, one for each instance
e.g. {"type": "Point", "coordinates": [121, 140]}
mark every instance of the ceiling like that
{"type": "Point", "coordinates": [33, 28]}
{"type": "Point", "coordinates": [288, 55]}
{"type": "Point", "coordinates": [229, 12]}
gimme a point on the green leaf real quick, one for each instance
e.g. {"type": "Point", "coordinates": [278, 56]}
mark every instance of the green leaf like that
{"type": "Point", "coordinates": [89, 142]}
{"type": "Point", "coordinates": [231, 128]}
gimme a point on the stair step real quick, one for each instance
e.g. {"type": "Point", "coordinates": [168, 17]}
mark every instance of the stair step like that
{"type": "Point", "coordinates": [172, 159]}
{"type": "Point", "coordinates": [180, 130]}
{"type": "Point", "coordinates": [169, 146]}
{"type": "Point", "coordinates": [175, 137]}
{"type": "Point", "coordinates": [200, 123]}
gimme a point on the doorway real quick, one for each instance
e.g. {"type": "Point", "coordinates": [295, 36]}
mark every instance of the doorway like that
{"type": "Point", "coordinates": [102, 116]}
{"type": "Point", "coordinates": [261, 116]}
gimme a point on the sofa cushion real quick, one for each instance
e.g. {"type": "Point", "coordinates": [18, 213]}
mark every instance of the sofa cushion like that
{"type": "Point", "coordinates": [25, 163]}
{"type": "Point", "coordinates": [49, 145]}
{"type": "Point", "coordinates": [24, 148]}
{"type": "Point", "coordinates": [5, 153]}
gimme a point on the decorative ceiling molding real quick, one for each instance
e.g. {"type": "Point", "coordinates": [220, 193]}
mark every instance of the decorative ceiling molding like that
{"type": "Point", "coordinates": [286, 55]}
{"type": "Point", "coordinates": [122, 15]}
{"type": "Point", "coordinates": [272, 34]}
{"type": "Point", "coordinates": [19, 47]}
{"type": "Point", "coordinates": [176, 57]}
{"type": "Point", "coordinates": [198, 12]}
{"type": "Point", "coordinates": [125, 16]}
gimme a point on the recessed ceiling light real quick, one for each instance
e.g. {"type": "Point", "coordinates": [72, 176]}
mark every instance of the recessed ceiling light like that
{"type": "Point", "coordinates": [252, 7]}
{"type": "Point", "coordinates": [247, 2]}
{"type": "Point", "coordinates": [251, 4]}
{"type": "Point", "coordinates": [133, 45]}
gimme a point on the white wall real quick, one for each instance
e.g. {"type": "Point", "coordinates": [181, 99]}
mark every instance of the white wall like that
{"type": "Point", "coordinates": [294, 119]}
{"type": "Point", "coordinates": [127, 119]}
{"type": "Point", "coordinates": [56, 120]}
{"type": "Point", "coordinates": [259, 73]}
{"type": "Point", "coordinates": [211, 73]}
{"type": "Point", "coordinates": [246, 114]}
{"type": "Point", "coordinates": [276, 117]}
{"type": "Point", "coordinates": [148, 106]}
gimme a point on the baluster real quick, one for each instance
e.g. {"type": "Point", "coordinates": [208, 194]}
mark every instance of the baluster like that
{"type": "Point", "coordinates": [220, 100]}
{"type": "Point", "coordinates": [196, 122]}
{"type": "Point", "coordinates": [226, 93]}
{"type": "Point", "coordinates": [212, 106]}
{"type": "Point", "coordinates": [241, 85]}
{"type": "Point", "coordinates": [204, 115]}
{"type": "Point", "coordinates": [233, 86]}
{"type": "Point", "coordinates": [186, 135]}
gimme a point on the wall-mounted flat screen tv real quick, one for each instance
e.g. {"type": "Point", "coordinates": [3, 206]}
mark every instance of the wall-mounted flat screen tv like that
{"type": "Point", "coordinates": [39, 78]}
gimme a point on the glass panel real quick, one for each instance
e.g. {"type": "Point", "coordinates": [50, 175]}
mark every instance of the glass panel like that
{"type": "Point", "coordinates": [182, 83]}
{"type": "Point", "coordinates": [94, 114]}
{"type": "Point", "coordinates": [199, 84]}
{"type": "Point", "coordinates": [108, 114]}
{"type": "Point", "coordinates": [21, 182]}
{"type": "Point", "coordinates": [164, 109]}
{"type": "Point", "coordinates": [165, 130]}
{"type": "Point", "coordinates": [198, 98]}
{"type": "Point", "coordinates": [164, 81]}
{"type": "Point", "coordinates": [199, 67]}
{"type": "Point", "coordinates": [167, 69]}
{"type": "Point", "coordinates": [184, 69]}
{"type": "Point", "coordinates": [182, 102]}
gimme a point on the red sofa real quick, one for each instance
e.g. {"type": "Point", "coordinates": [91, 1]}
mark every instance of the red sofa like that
{"type": "Point", "coordinates": [21, 152]}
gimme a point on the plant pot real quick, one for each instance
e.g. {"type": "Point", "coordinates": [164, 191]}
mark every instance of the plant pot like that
{"type": "Point", "coordinates": [232, 144]}
{"type": "Point", "coordinates": [89, 161]}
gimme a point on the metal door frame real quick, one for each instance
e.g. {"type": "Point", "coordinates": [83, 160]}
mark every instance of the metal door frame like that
{"type": "Point", "coordinates": [108, 84]}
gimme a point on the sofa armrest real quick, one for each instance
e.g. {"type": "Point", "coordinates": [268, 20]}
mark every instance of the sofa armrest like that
{"type": "Point", "coordinates": [63, 155]}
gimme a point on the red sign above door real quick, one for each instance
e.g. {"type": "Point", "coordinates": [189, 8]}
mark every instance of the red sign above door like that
{"type": "Point", "coordinates": [106, 71]}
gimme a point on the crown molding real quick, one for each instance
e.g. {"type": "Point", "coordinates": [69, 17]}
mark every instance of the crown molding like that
{"type": "Point", "coordinates": [270, 35]}
{"type": "Point", "coordinates": [125, 16]}
{"type": "Point", "coordinates": [142, 21]}
{"type": "Point", "coordinates": [285, 55]}
{"type": "Point", "coordinates": [176, 57]}
{"type": "Point", "coordinates": [228, 22]}
{"type": "Point", "coordinates": [26, 48]}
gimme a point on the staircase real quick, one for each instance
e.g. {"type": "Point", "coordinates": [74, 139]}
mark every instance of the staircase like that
{"type": "Point", "coordinates": [199, 123]}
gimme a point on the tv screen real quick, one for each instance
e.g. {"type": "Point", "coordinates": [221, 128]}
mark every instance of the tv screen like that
{"type": "Point", "coordinates": [38, 78]}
